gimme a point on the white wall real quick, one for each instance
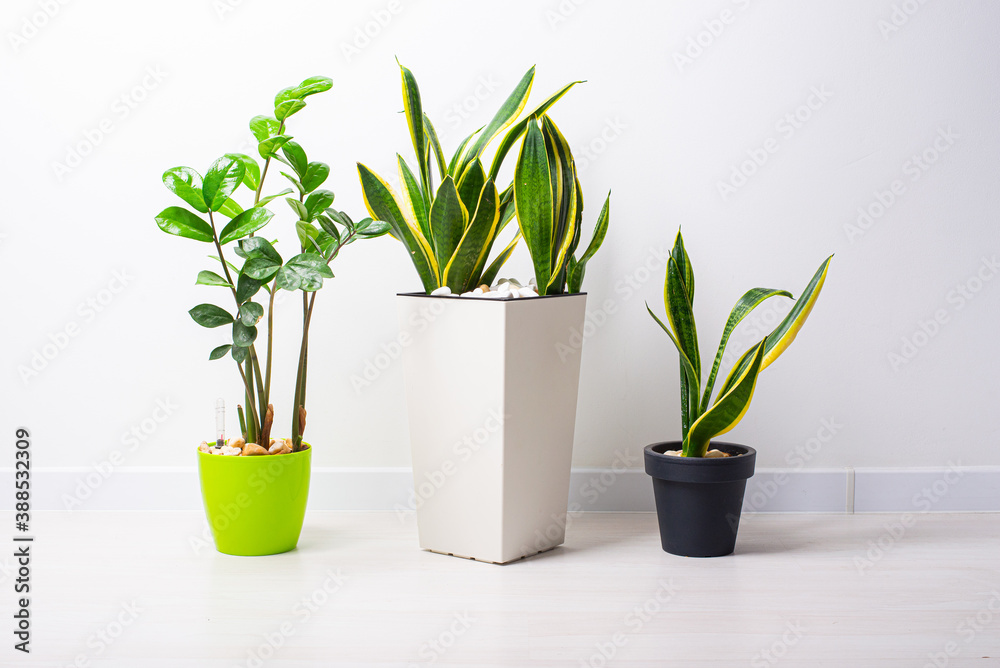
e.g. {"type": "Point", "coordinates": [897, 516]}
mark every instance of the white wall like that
{"type": "Point", "coordinates": [663, 134]}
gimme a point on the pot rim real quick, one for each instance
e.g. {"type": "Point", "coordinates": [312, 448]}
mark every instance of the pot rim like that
{"type": "Point", "coordinates": [260, 457]}
{"type": "Point", "coordinates": [700, 469]}
{"type": "Point", "coordinates": [502, 301]}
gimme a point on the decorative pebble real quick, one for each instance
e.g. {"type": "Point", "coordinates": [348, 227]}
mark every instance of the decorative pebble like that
{"type": "Point", "coordinates": [442, 291]}
{"type": "Point", "coordinates": [237, 442]}
{"type": "Point", "coordinates": [712, 454]}
{"type": "Point", "coordinates": [204, 447]}
{"type": "Point", "coordinates": [253, 450]}
{"type": "Point", "coordinates": [230, 451]}
{"type": "Point", "coordinates": [277, 447]}
{"type": "Point", "coordinates": [527, 292]}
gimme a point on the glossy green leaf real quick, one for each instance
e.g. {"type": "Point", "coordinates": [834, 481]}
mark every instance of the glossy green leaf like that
{"type": "Point", "coordinates": [239, 354]}
{"type": "Point", "coordinates": [245, 224]}
{"type": "Point", "coordinates": [679, 253]}
{"type": "Point", "coordinates": [210, 315]}
{"type": "Point", "coordinates": [286, 94]}
{"type": "Point", "coordinates": [298, 208]}
{"type": "Point", "coordinates": [313, 85]}
{"type": "Point", "coordinates": [261, 268]}
{"type": "Point", "coordinates": [246, 287]}
{"type": "Point", "coordinates": [250, 313]}
{"type": "Point", "coordinates": [689, 376]}
{"type": "Point", "coordinates": [453, 164]}
{"type": "Point", "coordinates": [269, 198]}
{"type": "Point", "coordinates": [243, 335]}
{"type": "Point", "coordinates": [221, 180]}
{"type": "Point", "coordinates": [268, 148]}
{"type": "Point", "coordinates": [296, 157]}
{"type": "Point", "coordinates": [373, 229]}
{"type": "Point", "coordinates": [318, 202]}
{"type": "Point", "coordinates": [220, 352]}
{"type": "Point", "coordinates": [206, 277]}
{"type": "Point", "coordinates": [264, 127]}
{"type": "Point", "coordinates": [315, 174]}
{"type": "Point", "coordinates": [182, 223]}
{"type": "Point", "coordinates": [251, 174]}
{"type": "Point", "coordinates": [288, 108]}
{"type": "Point", "coordinates": [533, 198]}
{"type": "Point", "coordinates": [575, 277]}
{"type": "Point", "coordinates": [305, 271]}
{"type": "Point", "coordinates": [230, 208]}
{"type": "Point", "coordinates": [259, 247]}
{"type": "Point", "coordinates": [186, 184]}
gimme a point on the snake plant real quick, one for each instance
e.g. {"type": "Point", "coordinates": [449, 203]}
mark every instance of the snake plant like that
{"type": "Point", "coordinates": [701, 418]}
{"type": "Point", "coordinates": [549, 203]}
{"type": "Point", "coordinates": [449, 230]}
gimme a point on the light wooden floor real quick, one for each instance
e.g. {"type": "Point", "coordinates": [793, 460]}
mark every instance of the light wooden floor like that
{"type": "Point", "coordinates": [802, 590]}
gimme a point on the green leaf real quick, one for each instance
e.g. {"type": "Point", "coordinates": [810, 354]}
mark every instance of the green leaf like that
{"type": "Point", "coordinates": [415, 121]}
{"type": "Point", "coordinates": [459, 274]}
{"type": "Point", "coordinates": [220, 352]}
{"type": "Point", "coordinates": [239, 354]}
{"type": "Point", "coordinates": [206, 277]}
{"type": "Point", "coordinates": [508, 111]}
{"type": "Point", "coordinates": [518, 129]}
{"type": "Point", "coordinates": [309, 236]}
{"type": "Point", "coordinates": [453, 164]}
{"type": "Point", "coordinates": [296, 157]}
{"type": "Point", "coordinates": [268, 148]}
{"type": "Point", "coordinates": [298, 207]}
{"type": "Point", "coordinates": [679, 253]}
{"type": "Point", "coordinates": [230, 208]}
{"type": "Point", "coordinates": [413, 197]}
{"type": "Point", "coordinates": [245, 224]}
{"type": "Point", "coordinates": [576, 274]}
{"type": "Point", "coordinates": [727, 411]}
{"type": "Point", "coordinates": [689, 376]}
{"type": "Point", "coordinates": [261, 269]}
{"type": "Point", "coordinates": [566, 202]}
{"type": "Point", "coordinates": [305, 271]}
{"type": "Point", "coordinates": [243, 335]}
{"type": "Point", "coordinates": [447, 221]}
{"type": "Point", "coordinates": [246, 287]}
{"type": "Point", "coordinates": [250, 313]}
{"type": "Point", "coordinates": [318, 202]}
{"type": "Point", "coordinates": [491, 272]}
{"type": "Point", "coordinates": [222, 179]}
{"type": "Point", "coordinates": [435, 146]}
{"type": "Point", "coordinates": [313, 85]}
{"type": "Point", "coordinates": [287, 108]}
{"type": "Point", "coordinates": [255, 247]}
{"type": "Point", "coordinates": [374, 229]}
{"type": "Point", "coordinates": [315, 175]}
{"type": "Point", "coordinates": [327, 224]}
{"type": "Point", "coordinates": [533, 198]}
{"type": "Point", "coordinates": [295, 182]}
{"type": "Point", "coordinates": [470, 185]}
{"type": "Point", "coordinates": [382, 205]}
{"type": "Point", "coordinates": [182, 223]}
{"type": "Point", "coordinates": [251, 174]}
{"type": "Point", "coordinates": [186, 184]}
{"type": "Point", "coordinates": [680, 314]}
{"type": "Point", "coordinates": [783, 335]}
{"type": "Point", "coordinates": [266, 200]}
{"type": "Point", "coordinates": [264, 127]}
{"type": "Point", "coordinates": [210, 315]}
{"type": "Point", "coordinates": [285, 94]}
{"type": "Point", "coordinates": [750, 300]}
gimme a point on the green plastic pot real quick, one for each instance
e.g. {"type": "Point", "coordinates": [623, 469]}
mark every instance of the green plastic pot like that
{"type": "Point", "coordinates": [255, 505]}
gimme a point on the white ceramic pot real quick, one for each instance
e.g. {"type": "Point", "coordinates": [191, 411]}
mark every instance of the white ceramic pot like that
{"type": "Point", "coordinates": [491, 390]}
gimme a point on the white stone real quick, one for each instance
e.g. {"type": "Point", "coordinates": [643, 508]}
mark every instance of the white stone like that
{"type": "Point", "coordinates": [712, 454]}
{"type": "Point", "coordinates": [477, 291]}
{"type": "Point", "coordinates": [527, 292]}
{"type": "Point", "coordinates": [442, 291]}
{"type": "Point", "coordinates": [469, 294]}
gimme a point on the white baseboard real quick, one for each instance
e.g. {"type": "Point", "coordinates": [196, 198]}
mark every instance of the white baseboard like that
{"type": "Point", "coordinates": [948, 489]}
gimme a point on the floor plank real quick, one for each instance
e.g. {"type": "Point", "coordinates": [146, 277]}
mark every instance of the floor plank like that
{"type": "Point", "coordinates": [802, 590]}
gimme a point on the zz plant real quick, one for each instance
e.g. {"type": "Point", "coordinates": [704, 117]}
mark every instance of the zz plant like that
{"type": "Point", "coordinates": [701, 418]}
{"type": "Point", "coordinates": [449, 228]}
{"type": "Point", "coordinates": [322, 231]}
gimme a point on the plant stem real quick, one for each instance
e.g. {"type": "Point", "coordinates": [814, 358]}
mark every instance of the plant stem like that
{"type": "Point", "coordinates": [252, 426]}
{"type": "Point", "coordinates": [270, 338]}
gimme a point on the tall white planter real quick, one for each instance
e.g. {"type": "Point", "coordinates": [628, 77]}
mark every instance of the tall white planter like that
{"type": "Point", "coordinates": [491, 389]}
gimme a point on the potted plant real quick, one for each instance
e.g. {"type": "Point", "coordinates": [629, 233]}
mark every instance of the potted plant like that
{"type": "Point", "coordinates": [491, 395]}
{"type": "Point", "coordinates": [698, 490]}
{"type": "Point", "coordinates": [255, 487]}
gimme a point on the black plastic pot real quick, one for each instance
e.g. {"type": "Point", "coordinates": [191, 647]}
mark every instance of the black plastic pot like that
{"type": "Point", "coordinates": [698, 501]}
